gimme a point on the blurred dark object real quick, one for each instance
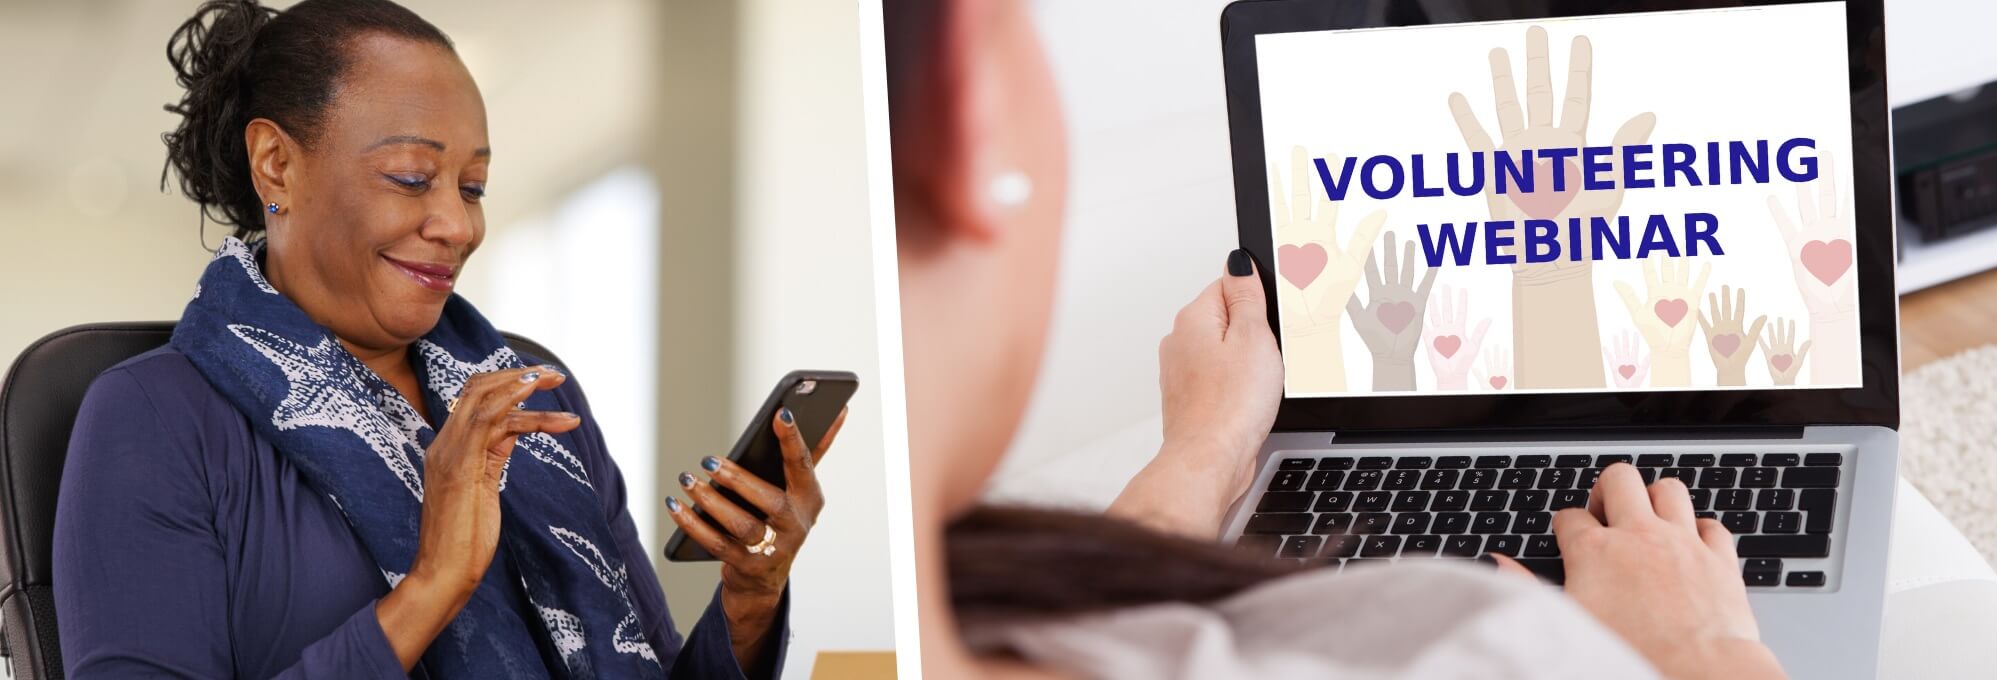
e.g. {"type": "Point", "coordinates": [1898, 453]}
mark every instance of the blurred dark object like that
{"type": "Point", "coordinates": [1945, 153]}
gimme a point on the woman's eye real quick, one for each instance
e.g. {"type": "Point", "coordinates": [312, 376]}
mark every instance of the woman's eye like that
{"type": "Point", "coordinates": [473, 192]}
{"type": "Point", "coordinates": [410, 181]}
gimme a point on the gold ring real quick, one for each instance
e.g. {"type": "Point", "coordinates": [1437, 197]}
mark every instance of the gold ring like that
{"type": "Point", "coordinates": [767, 546]}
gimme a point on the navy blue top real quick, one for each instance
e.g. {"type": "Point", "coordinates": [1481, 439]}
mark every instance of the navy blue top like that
{"type": "Point", "coordinates": [186, 546]}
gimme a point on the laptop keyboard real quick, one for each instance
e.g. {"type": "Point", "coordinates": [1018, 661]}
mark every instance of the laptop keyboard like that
{"type": "Point", "coordinates": [1343, 511]}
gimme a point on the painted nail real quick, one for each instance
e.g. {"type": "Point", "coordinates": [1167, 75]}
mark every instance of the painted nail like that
{"type": "Point", "coordinates": [567, 414]}
{"type": "Point", "coordinates": [711, 463]}
{"type": "Point", "coordinates": [785, 414]}
{"type": "Point", "coordinates": [672, 504]}
{"type": "Point", "coordinates": [530, 376]}
{"type": "Point", "coordinates": [686, 479]}
{"type": "Point", "coordinates": [1238, 263]}
{"type": "Point", "coordinates": [551, 368]}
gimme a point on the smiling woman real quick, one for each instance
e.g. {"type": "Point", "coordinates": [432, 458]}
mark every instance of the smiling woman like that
{"type": "Point", "coordinates": [283, 490]}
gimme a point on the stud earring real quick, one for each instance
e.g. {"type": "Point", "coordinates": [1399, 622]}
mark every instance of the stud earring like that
{"type": "Point", "coordinates": [1010, 189]}
{"type": "Point", "coordinates": [271, 208]}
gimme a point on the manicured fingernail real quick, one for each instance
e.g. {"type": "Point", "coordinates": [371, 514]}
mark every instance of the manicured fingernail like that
{"type": "Point", "coordinates": [686, 479]}
{"type": "Point", "coordinates": [785, 414]}
{"type": "Point", "coordinates": [566, 414]}
{"type": "Point", "coordinates": [1238, 263]}
{"type": "Point", "coordinates": [711, 463]}
{"type": "Point", "coordinates": [530, 376]}
{"type": "Point", "coordinates": [672, 504]}
{"type": "Point", "coordinates": [551, 368]}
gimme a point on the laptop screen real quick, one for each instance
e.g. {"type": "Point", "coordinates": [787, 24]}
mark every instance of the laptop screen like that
{"type": "Point", "coordinates": [1637, 202]}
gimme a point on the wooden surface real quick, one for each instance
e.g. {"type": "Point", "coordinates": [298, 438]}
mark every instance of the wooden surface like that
{"type": "Point", "coordinates": [1938, 322]}
{"type": "Point", "coordinates": [854, 666]}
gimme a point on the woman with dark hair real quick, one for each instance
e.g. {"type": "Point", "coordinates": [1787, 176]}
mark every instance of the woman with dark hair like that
{"type": "Point", "coordinates": [1144, 591]}
{"type": "Point", "coordinates": [338, 468]}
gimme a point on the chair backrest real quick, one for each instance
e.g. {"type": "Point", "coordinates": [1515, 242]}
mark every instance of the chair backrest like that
{"type": "Point", "coordinates": [38, 405]}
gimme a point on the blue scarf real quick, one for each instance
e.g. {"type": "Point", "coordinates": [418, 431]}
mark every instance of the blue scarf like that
{"type": "Point", "coordinates": [357, 440]}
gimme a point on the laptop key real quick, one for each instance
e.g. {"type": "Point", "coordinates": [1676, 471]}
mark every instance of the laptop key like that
{"type": "Point", "coordinates": [1488, 500]}
{"type": "Point", "coordinates": [1297, 464]}
{"type": "Point", "coordinates": [1450, 500]}
{"type": "Point", "coordinates": [1516, 478]}
{"type": "Point", "coordinates": [1696, 460]}
{"type": "Point", "coordinates": [1478, 479]}
{"type": "Point", "coordinates": [1810, 477]}
{"type": "Point", "coordinates": [1363, 480]}
{"type": "Point", "coordinates": [1380, 546]}
{"type": "Point", "coordinates": [1452, 462]}
{"type": "Point", "coordinates": [1647, 474]}
{"type": "Point", "coordinates": [1333, 523]}
{"type": "Point", "coordinates": [1285, 501]}
{"type": "Point", "coordinates": [1490, 522]}
{"type": "Point", "coordinates": [1287, 480]}
{"type": "Point", "coordinates": [1324, 480]}
{"type": "Point", "coordinates": [1798, 545]}
{"type": "Point", "coordinates": [1758, 478]}
{"type": "Point", "coordinates": [1702, 499]}
{"type": "Point", "coordinates": [1439, 479]}
{"type": "Point", "coordinates": [1413, 462]}
{"type": "Point", "coordinates": [1683, 474]}
{"type": "Point", "coordinates": [1740, 523]}
{"type": "Point", "coordinates": [1738, 460]}
{"type": "Point", "coordinates": [1401, 480]}
{"type": "Point", "coordinates": [1656, 460]}
{"type": "Point", "coordinates": [1761, 579]}
{"type": "Point", "coordinates": [1373, 501]}
{"type": "Point", "coordinates": [1373, 523]}
{"type": "Point", "coordinates": [1761, 564]}
{"type": "Point", "coordinates": [1376, 463]}
{"type": "Point", "coordinates": [1781, 459]}
{"type": "Point", "coordinates": [1424, 545]}
{"type": "Point", "coordinates": [1277, 523]}
{"type": "Point", "coordinates": [1608, 459]}
{"type": "Point", "coordinates": [1335, 463]}
{"type": "Point", "coordinates": [1731, 499]}
{"type": "Point", "coordinates": [1333, 501]}
{"type": "Point", "coordinates": [1543, 545]}
{"type": "Point", "coordinates": [1534, 461]}
{"type": "Point", "coordinates": [1341, 545]}
{"type": "Point", "coordinates": [1494, 462]}
{"type": "Point", "coordinates": [1821, 506]}
{"type": "Point", "coordinates": [1717, 478]}
{"type": "Point", "coordinates": [1824, 459]}
{"type": "Point", "coordinates": [1412, 523]}
{"type": "Point", "coordinates": [1506, 544]}
{"type": "Point", "coordinates": [1264, 546]}
{"type": "Point", "coordinates": [1781, 522]}
{"type": "Point", "coordinates": [1572, 461]}
{"type": "Point", "coordinates": [1462, 546]}
{"type": "Point", "coordinates": [1568, 498]}
{"type": "Point", "coordinates": [1706, 514]}
{"type": "Point", "coordinates": [1533, 523]}
{"type": "Point", "coordinates": [1411, 501]}
{"type": "Point", "coordinates": [1451, 523]}
{"type": "Point", "coordinates": [1806, 579]}
{"type": "Point", "coordinates": [1775, 499]}
{"type": "Point", "coordinates": [1300, 546]}
{"type": "Point", "coordinates": [1557, 478]}
{"type": "Point", "coordinates": [1551, 569]}
{"type": "Point", "coordinates": [1588, 478]}
{"type": "Point", "coordinates": [1531, 500]}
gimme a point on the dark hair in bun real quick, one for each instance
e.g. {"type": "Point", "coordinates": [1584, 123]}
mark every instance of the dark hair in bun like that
{"type": "Point", "coordinates": [240, 61]}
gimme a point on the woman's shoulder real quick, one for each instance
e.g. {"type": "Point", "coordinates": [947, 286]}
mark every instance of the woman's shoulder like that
{"type": "Point", "coordinates": [158, 398]}
{"type": "Point", "coordinates": [160, 380]}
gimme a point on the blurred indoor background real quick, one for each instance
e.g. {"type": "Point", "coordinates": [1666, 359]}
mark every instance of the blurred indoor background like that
{"type": "Point", "coordinates": [677, 207]}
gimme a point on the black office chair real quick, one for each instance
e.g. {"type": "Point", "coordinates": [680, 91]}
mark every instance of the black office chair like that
{"type": "Point", "coordinates": [38, 404]}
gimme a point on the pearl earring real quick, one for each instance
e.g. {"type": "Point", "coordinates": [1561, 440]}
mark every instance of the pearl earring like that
{"type": "Point", "coordinates": [271, 208]}
{"type": "Point", "coordinates": [1011, 189]}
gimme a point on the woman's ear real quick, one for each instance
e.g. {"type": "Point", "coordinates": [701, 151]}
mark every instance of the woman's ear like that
{"type": "Point", "coordinates": [271, 155]}
{"type": "Point", "coordinates": [975, 179]}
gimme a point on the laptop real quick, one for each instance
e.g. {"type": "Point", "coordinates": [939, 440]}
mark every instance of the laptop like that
{"type": "Point", "coordinates": [1507, 244]}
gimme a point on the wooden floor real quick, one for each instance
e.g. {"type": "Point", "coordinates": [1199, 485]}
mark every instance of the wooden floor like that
{"type": "Point", "coordinates": [1941, 321]}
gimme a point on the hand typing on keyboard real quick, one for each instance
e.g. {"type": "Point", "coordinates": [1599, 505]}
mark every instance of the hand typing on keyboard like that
{"type": "Point", "coordinates": [1221, 379]}
{"type": "Point", "coordinates": [1668, 583]}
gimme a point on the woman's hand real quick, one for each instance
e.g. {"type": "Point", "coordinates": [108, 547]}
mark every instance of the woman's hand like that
{"type": "Point", "coordinates": [1668, 583]}
{"type": "Point", "coordinates": [459, 528]}
{"type": "Point", "coordinates": [1221, 379]}
{"type": "Point", "coordinates": [752, 584]}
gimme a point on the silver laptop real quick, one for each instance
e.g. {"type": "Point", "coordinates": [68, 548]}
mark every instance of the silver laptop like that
{"type": "Point", "coordinates": [1507, 244]}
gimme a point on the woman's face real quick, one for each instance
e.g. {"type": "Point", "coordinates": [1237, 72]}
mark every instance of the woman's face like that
{"type": "Point", "coordinates": [382, 210]}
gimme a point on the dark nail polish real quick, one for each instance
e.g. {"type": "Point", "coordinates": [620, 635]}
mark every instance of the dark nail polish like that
{"type": "Point", "coordinates": [551, 368]}
{"type": "Point", "coordinates": [568, 414]}
{"type": "Point", "coordinates": [686, 479]}
{"type": "Point", "coordinates": [711, 463]}
{"type": "Point", "coordinates": [785, 414]}
{"type": "Point", "coordinates": [1239, 264]}
{"type": "Point", "coordinates": [672, 504]}
{"type": "Point", "coordinates": [530, 376]}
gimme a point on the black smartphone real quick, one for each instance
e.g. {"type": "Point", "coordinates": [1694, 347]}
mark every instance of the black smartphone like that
{"type": "Point", "coordinates": [814, 399]}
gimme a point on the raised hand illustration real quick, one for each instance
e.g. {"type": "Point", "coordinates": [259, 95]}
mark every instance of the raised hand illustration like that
{"type": "Point", "coordinates": [1391, 320]}
{"type": "Point", "coordinates": [1728, 344]}
{"type": "Point", "coordinates": [1784, 358]}
{"type": "Point", "coordinates": [1820, 256]}
{"type": "Point", "coordinates": [1553, 303]}
{"type": "Point", "coordinates": [1627, 362]}
{"type": "Point", "coordinates": [1496, 373]}
{"type": "Point", "coordinates": [1662, 314]}
{"type": "Point", "coordinates": [1450, 351]}
{"type": "Point", "coordinates": [1315, 276]}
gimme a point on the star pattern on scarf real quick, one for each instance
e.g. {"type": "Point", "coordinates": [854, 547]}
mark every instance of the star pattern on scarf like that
{"type": "Point", "coordinates": [448, 375]}
{"type": "Point", "coordinates": [319, 392]}
{"type": "Point", "coordinates": [234, 247]}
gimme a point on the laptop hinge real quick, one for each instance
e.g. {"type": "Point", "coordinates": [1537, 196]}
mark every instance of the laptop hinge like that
{"type": "Point", "coordinates": [1473, 435]}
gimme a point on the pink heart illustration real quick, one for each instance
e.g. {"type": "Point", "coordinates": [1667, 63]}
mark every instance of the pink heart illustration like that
{"type": "Point", "coordinates": [1543, 202]}
{"type": "Point", "coordinates": [1726, 343]}
{"type": "Point", "coordinates": [1670, 311]}
{"type": "Point", "coordinates": [1827, 260]}
{"type": "Point", "coordinates": [1626, 370]}
{"type": "Point", "coordinates": [1782, 362]}
{"type": "Point", "coordinates": [1498, 382]}
{"type": "Point", "coordinates": [1447, 345]}
{"type": "Point", "coordinates": [1396, 315]}
{"type": "Point", "coordinates": [1300, 265]}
